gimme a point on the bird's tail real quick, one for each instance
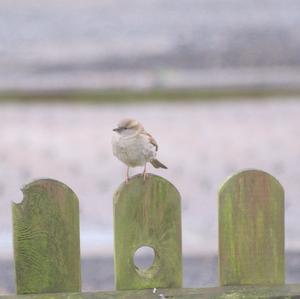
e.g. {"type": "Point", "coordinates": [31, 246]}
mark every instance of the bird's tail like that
{"type": "Point", "coordinates": [158, 164]}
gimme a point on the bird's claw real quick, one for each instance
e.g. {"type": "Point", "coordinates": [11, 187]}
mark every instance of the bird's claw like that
{"type": "Point", "coordinates": [145, 175]}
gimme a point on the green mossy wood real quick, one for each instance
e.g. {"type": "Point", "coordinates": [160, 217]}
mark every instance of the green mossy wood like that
{"type": "Point", "coordinates": [147, 213]}
{"type": "Point", "coordinates": [46, 239]}
{"type": "Point", "coordinates": [251, 230]}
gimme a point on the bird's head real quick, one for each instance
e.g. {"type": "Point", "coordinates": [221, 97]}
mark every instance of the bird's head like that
{"type": "Point", "coordinates": [128, 127]}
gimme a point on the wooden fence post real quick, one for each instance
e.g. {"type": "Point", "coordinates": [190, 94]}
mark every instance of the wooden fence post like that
{"type": "Point", "coordinates": [46, 239]}
{"type": "Point", "coordinates": [251, 230]}
{"type": "Point", "coordinates": [147, 213]}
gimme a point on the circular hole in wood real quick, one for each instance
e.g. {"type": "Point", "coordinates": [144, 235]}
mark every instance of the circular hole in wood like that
{"type": "Point", "coordinates": [144, 257]}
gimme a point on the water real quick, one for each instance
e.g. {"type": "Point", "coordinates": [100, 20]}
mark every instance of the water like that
{"type": "Point", "coordinates": [112, 43]}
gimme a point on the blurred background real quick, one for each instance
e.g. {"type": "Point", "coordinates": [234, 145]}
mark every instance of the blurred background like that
{"type": "Point", "coordinates": [216, 82]}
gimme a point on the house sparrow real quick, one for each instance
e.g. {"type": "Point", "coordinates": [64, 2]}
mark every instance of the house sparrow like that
{"type": "Point", "coordinates": [134, 146]}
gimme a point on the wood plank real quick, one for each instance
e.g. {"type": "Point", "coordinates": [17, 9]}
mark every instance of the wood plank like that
{"type": "Point", "coordinates": [46, 239]}
{"type": "Point", "coordinates": [251, 230]}
{"type": "Point", "coordinates": [147, 213]}
{"type": "Point", "coordinates": [243, 292]}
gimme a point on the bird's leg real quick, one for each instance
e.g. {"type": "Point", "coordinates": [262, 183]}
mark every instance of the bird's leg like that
{"type": "Point", "coordinates": [127, 175]}
{"type": "Point", "coordinates": [145, 172]}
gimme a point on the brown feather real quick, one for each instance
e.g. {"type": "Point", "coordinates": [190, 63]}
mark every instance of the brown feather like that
{"type": "Point", "coordinates": [151, 139]}
{"type": "Point", "coordinates": [158, 164]}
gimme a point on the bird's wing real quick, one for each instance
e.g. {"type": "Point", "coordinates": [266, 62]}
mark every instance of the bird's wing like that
{"type": "Point", "coordinates": [150, 139]}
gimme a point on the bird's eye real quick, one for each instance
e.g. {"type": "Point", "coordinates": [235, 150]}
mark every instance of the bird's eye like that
{"type": "Point", "coordinates": [125, 128]}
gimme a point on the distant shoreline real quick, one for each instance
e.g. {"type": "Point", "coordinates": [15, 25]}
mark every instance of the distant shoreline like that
{"type": "Point", "coordinates": [192, 83]}
{"type": "Point", "coordinates": [145, 95]}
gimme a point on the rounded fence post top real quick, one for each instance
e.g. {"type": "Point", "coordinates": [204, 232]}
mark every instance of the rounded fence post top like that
{"type": "Point", "coordinates": [248, 172]}
{"type": "Point", "coordinates": [43, 182]}
{"type": "Point", "coordinates": [138, 179]}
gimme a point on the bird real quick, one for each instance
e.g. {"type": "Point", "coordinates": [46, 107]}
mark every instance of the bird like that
{"type": "Point", "coordinates": [134, 146]}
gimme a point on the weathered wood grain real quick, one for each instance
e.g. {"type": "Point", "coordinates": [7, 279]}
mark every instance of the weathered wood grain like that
{"type": "Point", "coordinates": [147, 213]}
{"type": "Point", "coordinates": [242, 292]}
{"type": "Point", "coordinates": [46, 239]}
{"type": "Point", "coordinates": [251, 230]}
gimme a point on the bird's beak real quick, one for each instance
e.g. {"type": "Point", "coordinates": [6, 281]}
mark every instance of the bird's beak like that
{"type": "Point", "coordinates": [116, 130]}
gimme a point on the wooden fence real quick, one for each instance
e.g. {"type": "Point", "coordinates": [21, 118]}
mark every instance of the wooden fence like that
{"type": "Point", "coordinates": [251, 240]}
